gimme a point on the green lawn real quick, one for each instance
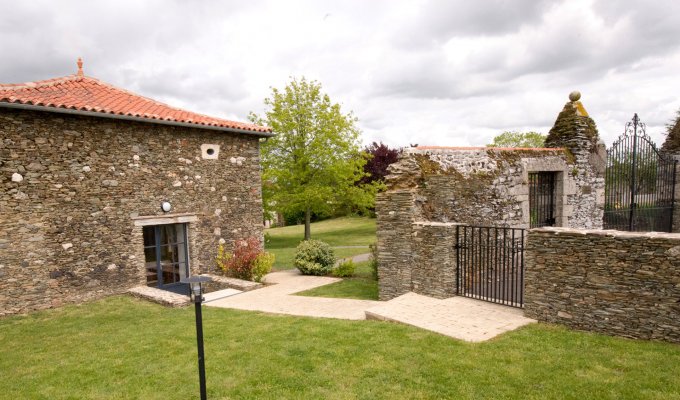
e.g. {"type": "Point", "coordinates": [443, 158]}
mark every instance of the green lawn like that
{"type": "Point", "coordinates": [345, 231]}
{"type": "Point", "coordinates": [122, 348]}
{"type": "Point", "coordinates": [361, 286]}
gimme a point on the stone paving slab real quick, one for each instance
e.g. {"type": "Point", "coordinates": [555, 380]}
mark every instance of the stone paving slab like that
{"type": "Point", "coordinates": [457, 317]}
{"type": "Point", "coordinates": [233, 283]}
{"type": "Point", "coordinates": [277, 297]}
{"type": "Point", "coordinates": [220, 294]}
{"type": "Point", "coordinates": [159, 296]}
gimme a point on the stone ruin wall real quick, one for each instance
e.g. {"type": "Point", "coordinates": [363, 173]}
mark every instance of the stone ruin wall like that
{"type": "Point", "coordinates": [431, 189]}
{"type": "Point", "coordinates": [66, 228]}
{"type": "Point", "coordinates": [618, 283]}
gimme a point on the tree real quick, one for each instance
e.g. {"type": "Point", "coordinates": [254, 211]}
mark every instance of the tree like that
{"type": "Point", "coordinates": [314, 161]}
{"type": "Point", "coordinates": [380, 157]}
{"type": "Point", "coordinates": [518, 139]}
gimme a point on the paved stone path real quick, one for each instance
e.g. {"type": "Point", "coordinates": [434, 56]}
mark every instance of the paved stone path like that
{"type": "Point", "coordinates": [458, 317]}
{"type": "Point", "coordinates": [220, 294]}
{"type": "Point", "coordinates": [277, 298]}
{"type": "Point", "coordinates": [357, 258]}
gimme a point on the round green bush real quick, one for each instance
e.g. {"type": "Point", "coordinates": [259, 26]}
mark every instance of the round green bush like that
{"type": "Point", "coordinates": [314, 257]}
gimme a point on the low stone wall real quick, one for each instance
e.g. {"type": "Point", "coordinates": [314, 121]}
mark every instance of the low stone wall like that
{"type": "Point", "coordinates": [619, 283]}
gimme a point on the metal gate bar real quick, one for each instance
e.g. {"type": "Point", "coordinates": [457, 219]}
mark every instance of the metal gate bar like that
{"type": "Point", "coordinates": [490, 264]}
{"type": "Point", "coordinates": [541, 199]}
{"type": "Point", "coordinates": [639, 183]}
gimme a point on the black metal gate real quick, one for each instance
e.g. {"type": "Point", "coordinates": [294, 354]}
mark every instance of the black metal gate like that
{"type": "Point", "coordinates": [639, 183]}
{"type": "Point", "coordinates": [541, 199]}
{"type": "Point", "coordinates": [490, 262]}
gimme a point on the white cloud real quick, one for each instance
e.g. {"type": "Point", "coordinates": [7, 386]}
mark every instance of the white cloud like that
{"type": "Point", "coordinates": [427, 72]}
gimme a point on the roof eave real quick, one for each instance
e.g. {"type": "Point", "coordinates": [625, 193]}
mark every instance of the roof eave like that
{"type": "Point", "coordinates": [32, 107]}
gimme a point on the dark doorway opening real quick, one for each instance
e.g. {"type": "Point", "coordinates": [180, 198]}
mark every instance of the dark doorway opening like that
{"type": "Point", "coordinates": [542, 199]}
{"type": "Point", "coordinates": [166, 255]}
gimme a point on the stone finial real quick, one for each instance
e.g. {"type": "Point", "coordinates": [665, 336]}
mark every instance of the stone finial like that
{"type": "Point", "coordinates": [80, 66]}
{"type": "Point", "coordinates": [573, 128]}
{"type": "Point", "coordinates": [575, 95]}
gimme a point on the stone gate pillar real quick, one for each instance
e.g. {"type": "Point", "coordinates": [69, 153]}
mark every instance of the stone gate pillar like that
{"type": "Point", "coordinates": [576, 132]}
{"type": "Point", "coordinates": [671, 149]}
{"type": "Point", "coordinates": [435, 267]}
{"type": "Point", "coordinates": [395, 210]}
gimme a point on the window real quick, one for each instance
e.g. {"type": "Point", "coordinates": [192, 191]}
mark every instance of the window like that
{"type": "Point", "coordinates": [165, 254]}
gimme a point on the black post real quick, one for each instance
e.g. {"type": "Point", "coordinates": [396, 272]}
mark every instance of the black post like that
{"type": "Point", "coordinates": [199, 338]}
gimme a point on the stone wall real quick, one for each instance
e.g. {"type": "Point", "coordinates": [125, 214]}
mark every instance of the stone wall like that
{"type": "Point", "coordinates": [618, 283]}
{"type": "Point", "coordinates": [488, 186]}
{"type": "Point", "coordinates": [434, 267]}
{"type": "Point", "coordinates": [397, 212]}
{"type": "Point", "coordinates": [73, 186]}
{"type": "Point", "coordinates": [481, 186]}
{"type": "Point", "coordinates": [429, 187]}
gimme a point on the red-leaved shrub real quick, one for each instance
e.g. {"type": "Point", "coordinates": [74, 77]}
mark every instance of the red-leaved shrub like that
{"type": "Point", "coordinates": [240, 263]}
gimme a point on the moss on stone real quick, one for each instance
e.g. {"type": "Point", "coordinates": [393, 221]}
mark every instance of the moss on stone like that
{"type": "Point", "coordinates": [513, 157]}
{"type": "Point", "coordinates": [573, 123]}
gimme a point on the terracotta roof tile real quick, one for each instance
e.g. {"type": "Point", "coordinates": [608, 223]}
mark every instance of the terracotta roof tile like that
{"type": "Point", "coordinates": [79, 92]}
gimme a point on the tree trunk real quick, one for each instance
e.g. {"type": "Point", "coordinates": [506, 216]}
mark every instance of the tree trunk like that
{"type": "Point", "coordinates": [308, 228]}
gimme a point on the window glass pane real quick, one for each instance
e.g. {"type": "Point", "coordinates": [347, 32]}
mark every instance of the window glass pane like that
{"type": "Point", "coordinates": [150, 254]}
{"type": "Point", "coordinates": [170, 254]}
{"type": "Point", "coordinates": [168, 234]}
{"type": "Point", "coordinates": [179, 233]}
{"type": "Point", "coordinates": [149, 236]}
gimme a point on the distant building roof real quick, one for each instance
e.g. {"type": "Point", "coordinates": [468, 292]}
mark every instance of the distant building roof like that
{"type": "Point", "coordinates": [82, 94]}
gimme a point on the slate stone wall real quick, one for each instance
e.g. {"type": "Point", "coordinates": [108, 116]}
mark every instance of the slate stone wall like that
{"type": "Point", "coordinates": [396, 213]}
{"type": "Point", "coordinates": [434, 267]}
{"type": "Point", "coordinates": [618, 283]}
{"type": "Point", "coordinates": [71, 186]}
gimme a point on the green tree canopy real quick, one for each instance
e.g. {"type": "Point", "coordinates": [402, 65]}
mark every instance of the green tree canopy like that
{"type": "Point", "coordinates": [518, 139]}
{"type": "Point", "coordinates": [315, 159]}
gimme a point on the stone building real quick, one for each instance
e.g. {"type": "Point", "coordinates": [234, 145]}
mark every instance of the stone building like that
{"type": "Point", "coordinates": [432, 189]}
{"type": "Point", "coordinates": [103, 190]}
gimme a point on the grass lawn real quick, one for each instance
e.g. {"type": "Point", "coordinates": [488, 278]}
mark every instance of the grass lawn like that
{"type": "Point", "coordinates": [123, 348]}
{"type": "Point", "coordinates": [345, 231]}
{"type": "Point", "coordinates": [361, 286]}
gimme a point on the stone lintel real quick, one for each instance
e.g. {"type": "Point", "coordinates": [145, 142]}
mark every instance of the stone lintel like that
{"type": "Point", "coordinates": [164, 219]}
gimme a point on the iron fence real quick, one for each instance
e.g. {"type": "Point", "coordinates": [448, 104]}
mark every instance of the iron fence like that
{"type": "Point", "coordinates": [490, 264]}
{"type": "Point", "coordinates": [639, 183]}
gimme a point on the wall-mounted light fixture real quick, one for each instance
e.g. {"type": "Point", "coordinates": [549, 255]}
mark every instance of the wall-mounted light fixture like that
{"type": "Point", "coordinates": [166, 206]}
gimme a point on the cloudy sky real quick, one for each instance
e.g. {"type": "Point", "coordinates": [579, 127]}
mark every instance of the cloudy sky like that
{"type": "Point", "coordinates": [427, 72]}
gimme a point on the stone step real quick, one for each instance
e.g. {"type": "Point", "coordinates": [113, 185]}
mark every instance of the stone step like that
{"type": "Point", "coordinates": [159, 296]}
{"type": "Point", "coordinates": [220, 294]}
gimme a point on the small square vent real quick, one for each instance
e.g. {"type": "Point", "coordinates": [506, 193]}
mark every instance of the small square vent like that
{"type": "Point", "coordinates": [210, 151]}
